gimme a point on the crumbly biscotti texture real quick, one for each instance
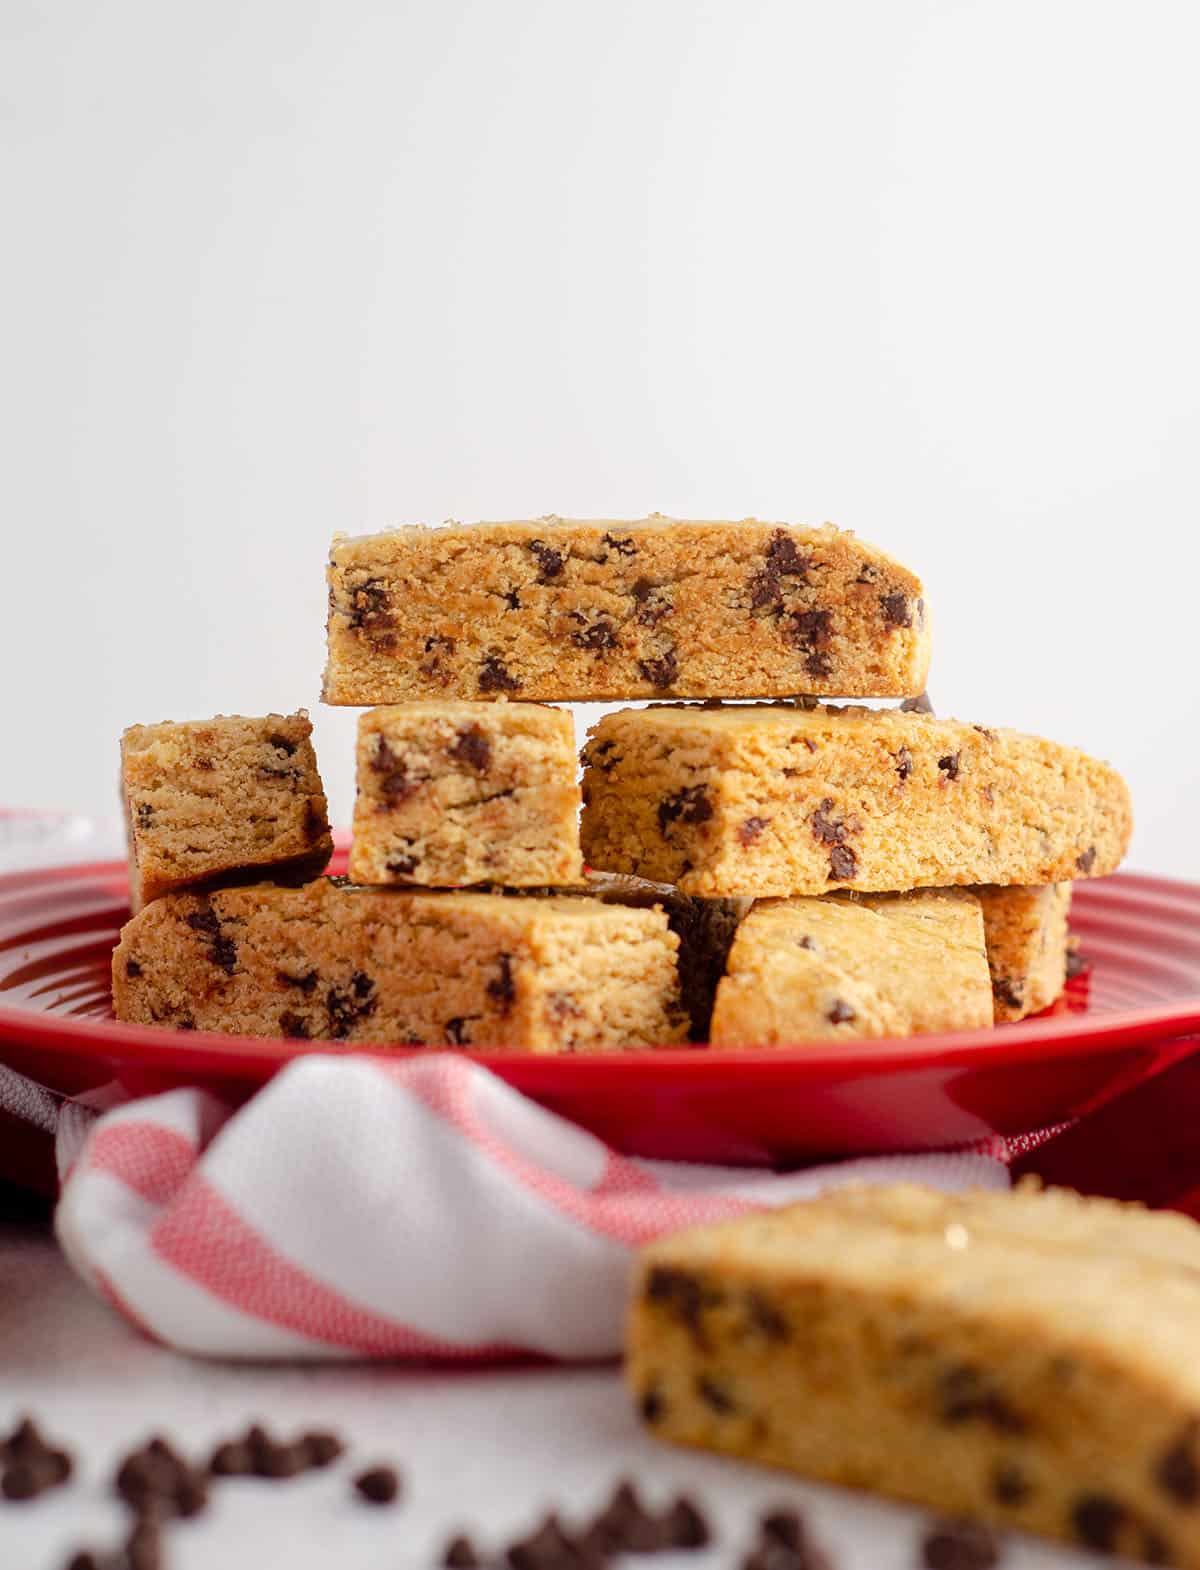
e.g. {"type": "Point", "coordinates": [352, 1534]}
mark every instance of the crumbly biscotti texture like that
{"type": "Point", "coordinates": [453, 793]}
{"type": "Point", "coordinates": [331, 961]}
{"type": "Point", "coordinates": [1027, 943]}
{"type": "Point", "coordinates": [574, 611]}
{"type": "Point", "coordinates": [779, 799]}
{"type": "Point", "coordinates": [854, 965]}
{"type": "Point", "coordinates": [209, 801]}
{"type": "Point", "coordinates": [1031, 1359]}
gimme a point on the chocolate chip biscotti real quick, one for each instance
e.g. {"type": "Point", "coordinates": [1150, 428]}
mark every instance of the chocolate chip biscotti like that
{"type": "Point", "coordinates": [1031, 1359]}
{"type": "Point", "coordinates": [572, 611]}
{"type": "Point", "coordinates": [456, 793]}
{"type": "Point", "coordinates": [1027, 944]}
{"type": "Point", "coordinates": [854, 965]}
{"type": "Point", "coordinates": [781, 799]}
{"type": "Point", "coordinates": [211, 800]}
{"type": "Point", "coordinates": [334, 962]}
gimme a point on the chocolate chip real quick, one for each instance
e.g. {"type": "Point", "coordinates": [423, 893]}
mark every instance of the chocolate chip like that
{"type": "Point", "coordinates": [896, 610]}
{"type": "Point", "coordinates": [204, 920]}
{"type": "Point", "coordinates": [689, 805]}
{"type": "Point", "coordinates": [323, 1447]}
{"type": "Point", "coordinates": [625, 1526]}
{"type": "Point", "coordinates": [346, 1006]}
{"type": "Point", "coordinates": [904, 763]}
{"type": "Point", "coordinates": [684, 1525]}
{"type": "Point", "coordinates": [145, 814]}
{"type": "Point", "coordinates": [715, 1395]}
{"type": "Point", "coordinates": [546, 1548]}
{"type": "Point", "coordinates": [494, 676]}
{"type": "Point", "coordinates": [282, 744]}
{"type": "Point", "coordinates": [1097, 1518]}
{"type": "Point", "coordinates": [959, 1545]}
{"type": "Point", "coordinates": [599, 755]}
{"type": "Point", "coordinates": [458, 1030]}
{"type": "Point", "coordinates": [1177, 1472]}
{"type": "Point", "coordinates": [653, 603]}
{"type": "Point", "coordinates": [294, 1026]}
{"type": "Point", "coordinates": [949, 765]}
{"type": "Point", "coordinates": [786, 1528]}
{"type": "Point", "coordinates": [502, 989]}
{"type": "Point", "coordinates": [990, 735]}
{"type": "Point", "coordinates": [370, 606]}
{"type": "Point", "coordinates": [472, 748]}
{"type": "Point", "coordinates": [811, 631]}
{"type": "Point", "coordinates": [24, 1480]}
{"type": "Point", "coordinates": [83, 1560]}
{"type": "Point", "coordinates": [751, 829]}
{"type": "Point", "coordinates": [919, 705]}
{"type": "Point", "coordinates": [378, 1485]}
{"type": "Point", "coordinates": [395, 785]}
{"type": "Point", "coordinates": [231, 1459]}
{"type": "Point", "coordinates": [1010, 1486]}
{"type": "Point", "coordinates": [826, 829]}
{"type": "Point", "coordinates": [279, 1461]}
{"type": "Point", "coordinates": [143, 1547]}
{"type": "Point", "coordinates": [224, 954]}
{"type": "Point", "coordinates": [1007, 992]}
{"type": "Point", "coordinates": [550, 561]}
{"type": "Point", "coordinates": [438, 647]}
{"type": "Point", "coordinates": [1087, 861]}
{"type": "Point", "coordinates": [512, 599]}
{"type": "Point", "coordinates": [652, 1406]}
{"type": "Point", "coordinates": [682, 1294]}
{"type": "Point", "coordinates": [841, 1013]}
{"type": "Point", "coordinates": [132, 969]}
{"type": "Point", "coordinates": [805, 942]}
{"type": "Point", "coordinates": [599, 637]}
{"type": "Point", "coordinates": [403, 865]}
{"type": "Point", "coordinates": [460, 1554]}
{"type": "Point", "coordinates": [783, 560]}
{"type": "Point", "coordinates": [965, 1395]}
{"type": "Point", "coordinates": [766, 1318]}
{"type": "Point", "coordinates": [306, 983]}
{"type": "Point", "coordinates": [185, 1022]}
{"type": "Point", "coordinates": [843, 864]}
{"type": "Point", "coordinates": [660, 672]}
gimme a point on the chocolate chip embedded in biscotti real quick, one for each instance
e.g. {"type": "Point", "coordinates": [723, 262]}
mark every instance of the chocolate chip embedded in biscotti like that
{"type": "Point", "coordinates": [394, 784]}
{"type": "Point", "coordinates": [1008, 992]}
{"type": "Point", "coordinates": [766, 1318]}
{"type": "Point", "coordinates": [843, 864]}
{"type": "Point", "coordinates": [897, 612]}
{"type": "Point", "coordinates": [132, 969]}
{"type": "Point", "coordinates": [294, 1026]}
{"type": "Point", "coordinates": [810, 631]}
{"type": "Point", "coordinates": [458, 1030]}
{"type": "Point", "coordinates": [502, 989]}
{"type": "Point", "coordinates": [1087, 861]}
{"type": "Point", "coordinates": [715, 1395]}
{"type": "Point", "coordinates": [281, 743]}
{"type": "Point", "coordinates": [965, 1394]}
{"type": "Point", "coordinates": [306, 983]}
{"type": "Point", "coordinates": [959, 1545]}
{"type": "Point", "coordinates": [660, 672]}
{"type": "Point", "coordinates": [439, 649]}
{"type": "Point", "coordinates": [403, 865]}
{"type": "Point", "coordinates": [841, 1012]}
{"type": "Point", "coordinates": [1177, 1471]}
{"type": "Point", "coordinates": [1097, 1519]}
{"type": "Point", "coordinates": [346, 1006]}
{"type": "Point", "coordinates": [473, 748]}
{"type": "Point", "coordinates": [624, 547]}
{"type": "Point", "coordinates": [949, 765]}
{"type": "Point", "coordinates": [683, 1295]}
{"type": "Point", "coordinates": [750, 830]}
{"type": "Point", "coordinates": [222, 950]}
{"type": "Point", "coordinates": [597, 637]}
{"type": "Point", "coordinates": [494, 676]}
{"type": "Point", "coordinates": [826, 829]}
{"type": "Point", "coordinates": [783, 560]}
{"type": "Point", "coordinates": [145, 814]}
{"type": "Point", "coordinates": [652, 1406]}
{"type": "Point", "coordinates": [370, 606]}
{"type": "Point", "coordinates": [1010, 1486]}
{"type": "Point", "coordinates": [689, 805]}
{"type": "Point", "coordinates": [904, 763]}
{"type": "Point", "coordinates": [550, 561]}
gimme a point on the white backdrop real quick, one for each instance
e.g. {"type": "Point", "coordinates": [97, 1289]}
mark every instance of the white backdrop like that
{"type": "Point", "coordinates": [272, 268]}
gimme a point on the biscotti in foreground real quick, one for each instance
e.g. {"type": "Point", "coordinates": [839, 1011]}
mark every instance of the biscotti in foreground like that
{"type": "Point", "coordinates": [573, 611]}
{"type": "Point", "coordinates": [336, 962]}
{"type": "Point", "coordinates": [212, 800]}
{"type": "Point", "coordinates": [1027, 944]}
{"type": "Point", "coordinates": [453, 793]}
{"type": "Point", "coordinates": [776, 799]}
{"type": "Point", "coordinates": [1030, 1359]}
{"type": "Point", "coordinates": [854, 966]}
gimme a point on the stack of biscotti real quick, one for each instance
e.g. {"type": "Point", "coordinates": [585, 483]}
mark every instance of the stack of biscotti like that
{"type": "Point", "coordinates": [824, 871]}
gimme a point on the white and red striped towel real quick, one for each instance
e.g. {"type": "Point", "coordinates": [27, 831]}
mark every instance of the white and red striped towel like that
{"type": "Point", "coordinates": [421, 1209]}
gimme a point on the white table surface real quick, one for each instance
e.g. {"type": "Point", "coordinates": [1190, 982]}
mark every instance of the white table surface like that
{"type": "Point", "coordinates": [487, 1451]}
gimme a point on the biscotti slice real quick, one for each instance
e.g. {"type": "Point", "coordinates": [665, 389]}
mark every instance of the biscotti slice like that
{"type": "Point", "coordinates": [1027, 942]}
{"type": "Point", "coordinates": [208, 801]}
{"type": "Point", "coordinates": [854, 965]}
{"type": "Point", "coordinates": [1035, 1365]}
{"type": "Point", "coordinates": [335, 962]}
{"type": "Point", "coordinates": [573, 611]}
{"type": "Point", "coordinates": [456, 793]}
{"type": "Point", "coordinates": [777, 799]}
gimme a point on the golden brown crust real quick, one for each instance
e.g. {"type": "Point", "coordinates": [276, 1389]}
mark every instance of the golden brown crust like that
{"type": "Point", "coordinates": [567, 610]}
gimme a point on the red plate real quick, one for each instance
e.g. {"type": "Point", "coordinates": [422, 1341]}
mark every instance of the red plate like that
{"type": "Point", "coordinates": [1122, 1021]}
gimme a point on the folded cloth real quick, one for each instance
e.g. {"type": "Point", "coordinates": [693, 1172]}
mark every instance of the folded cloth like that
{"type": "Point", "coordinates": [363, 1209]}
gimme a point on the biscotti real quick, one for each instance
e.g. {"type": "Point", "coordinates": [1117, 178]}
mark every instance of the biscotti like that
{"type": "Point", "coordinates": [779, 799]}
{"type": "Point", "coordinates": [453, 793]}
{"type": "Point", "coordinates": [1027, 944]}
{"type": "Point", "coordinates": [574, 611]}
{"type": "Point", "coordinates": [336, 962]}
{"type": "Point", "coordinates": [212, 800]}
{"type": "Point", "coordinates": [854, 965]}
{"type": "Point", "coordinates": [1028, 1359]}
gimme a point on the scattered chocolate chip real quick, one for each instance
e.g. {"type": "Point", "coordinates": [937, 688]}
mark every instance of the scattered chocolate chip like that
{"type": "Point", "coordinates": [811, 631]}
{"type": "Point", "coordinates": [512, 599]}
{"type": "Point", "coordinates": [132, 969]}
{"type": "Point", "coordinates": [1010, 1486]}
{"type": "Point", "coordinates": [403, 865]}
{"type": "Point", "coordinates": [1008, 992]}
{"type": "Point", "coordinates": [378, 1485]}
{"type": "Point", "coordinates": [680, 1292]}
{"type": "Point", "coordinates": [600, 636]}
{"type": "Point", "coordinates": [1087, 860]}
{"type": "Point", "coordinates": [394, 785]}
{"type": "Point", "coordinates": [660, 672]}
{"type": "Point", "coordinates": [473, 748]}
{"type": "Point", "coordinates": [83, 1560]}
{"type": "Point", "coordinates": [599, 755]}
{"type": "Point", "coordinates": [323, 1447]}
{"type": "Point", "coordinates": [143, 1546]}
{"type": "Point", "coordinates": [295, 1026]}
{"type": "Point", "coordinates": [438, 648]}
{"type": "Point", "coordinates": [826, 829]}
{"type": "Point", "coordinates": [920, 705]}
{"type": "Point", "coordinates": [751, 829]}
{"type": "Point", "coordinates": [896, 610]}
{"type": "Point", "coordinates": [1177, 1472]}
{"type": "Point", "coordinates": [370, 606]}
{"type": "Point", "coordinates": [346, 1006]}
{"type": "Point", "coordinates": [205, 920]}
{"type": "Point", "coordinates": [653, 603]}
{"type": "Point", "coordinates": [782, 560]}
{"type": "Point", "coordinates": [766, 1318]}
{"type": "Point", "coordinates": [965, 1395]}
{"type": "Point", "coordinates": [989, 735]}
{"type": "Point", "coordinates": [458, 1030]}
{"type": "Point", "coordinates": [145, 814]}
{"type": "Point", "coordinates": [232, 1458]}
{"type": "Point", "coordinates": [715, 1395]}
{"type": "Point", "coordinates": [460, 1554]}
{"type": "Point", "coordinates": [959, 1545]}
{"type": "Point", "coordinates": [224, 954]}
{"type": "Point", "coordinates": [949, 765]}
{"type": "Point", "coordinates": [625, 1526]}
{"type": "Point", "coordinates": [904, 763]}
{"type": "Point", "coordinates": [652, 1406]}
{"type": "Point", "coordinates": [546, 1548]}
{"type": "Point", "coordinates": [550, 561]}
{"type": "Point", "coordinates": [306, 983]}
{"type": "Point", "coordinates": [624, 547]}
{"type": "Point", "coordinates": [282, 744]}
{"type": "Point", "coordinates": [502, 989]}
{"type": "Point", "coordinates": [689, 805]}
{"type": "Point", "coordinates": [841, 1013]}
{"type": "Point", "coordinates": [786, 1528]}
{"type": "Point", "coordinates": [494, 676]}
{"type": "Point", "coordinates": [185, 1022]}
{"type": "Point", "coordinates": [24, 1480]}
{"type": "Point", "coordinates": [1097, 1518]}
{"type": "Point", "coordinates": [843, 864]}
